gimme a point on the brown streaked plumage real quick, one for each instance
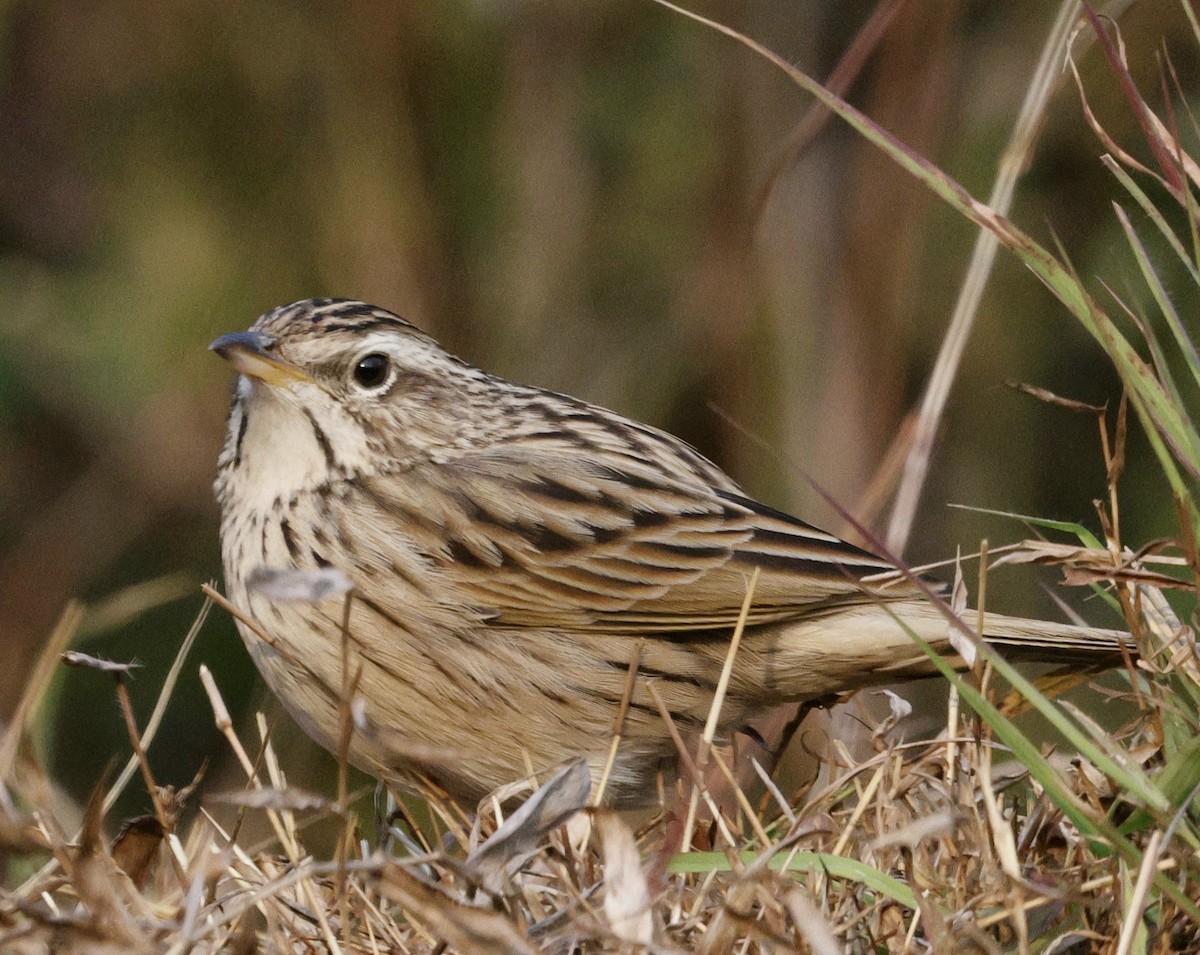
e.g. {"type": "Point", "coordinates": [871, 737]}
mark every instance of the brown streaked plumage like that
{"type": "Point", "coordinates": [509, 547]}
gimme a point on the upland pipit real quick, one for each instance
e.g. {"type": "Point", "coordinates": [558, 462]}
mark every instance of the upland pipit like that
{"type": "Point", "coordinates": [509, 547]}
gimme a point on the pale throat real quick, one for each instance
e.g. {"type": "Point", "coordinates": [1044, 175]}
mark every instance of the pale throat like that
{"type": "Point", "coordinates": [294, 442]}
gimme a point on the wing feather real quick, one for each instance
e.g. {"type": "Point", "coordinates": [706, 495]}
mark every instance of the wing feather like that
{"type": "Point", "coordinates": [552, 539]}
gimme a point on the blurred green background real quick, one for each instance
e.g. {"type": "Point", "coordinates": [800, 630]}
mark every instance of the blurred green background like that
{"type": "Point", "coordinates": [564, 193]}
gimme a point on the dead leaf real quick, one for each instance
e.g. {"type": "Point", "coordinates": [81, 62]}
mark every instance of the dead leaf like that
{"type": "Point", "coordinates": [299, 586]}
{"type": "Point", "coordinates": [463, 927]}
{"type": "Point", "coordinates": [136, 847]}
{"type": "Point", "coordinates": [549, 807]}
{"type": "Point", "coordinates": [963, 644]}
{"type": "Point", "coordinates": [290, 799]}
{"type": "Point", "coordinates": [73, 658]}
{"type": "Point", "coordinates": [1050, 398]}
{"type": "Point", "coordinates": [938, 823]}
{"type": "Point", "coordinates": [627, 903]}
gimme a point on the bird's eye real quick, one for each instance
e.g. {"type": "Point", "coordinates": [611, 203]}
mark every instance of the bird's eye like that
{"type": "Point", "coordinates": [372, 371]}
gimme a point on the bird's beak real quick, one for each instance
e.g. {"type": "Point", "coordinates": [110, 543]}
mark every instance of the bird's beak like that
{"type": "Point", "coordinates": [247, 352]}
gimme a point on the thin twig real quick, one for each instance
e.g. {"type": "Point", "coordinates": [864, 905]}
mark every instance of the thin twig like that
{"type": "Point", "coordinates": [718, 701]}
{"type": "Point", "coordinates": [635, 661]}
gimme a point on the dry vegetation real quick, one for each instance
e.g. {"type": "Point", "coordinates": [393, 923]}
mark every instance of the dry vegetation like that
{"type": "Point", "coordinates": [977, 839]}
{"type": "Point", "coordinates": [980, 839]}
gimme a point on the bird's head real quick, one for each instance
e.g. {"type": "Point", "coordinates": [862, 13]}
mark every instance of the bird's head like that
{"type": "Point", "coordinates": [330, 389]}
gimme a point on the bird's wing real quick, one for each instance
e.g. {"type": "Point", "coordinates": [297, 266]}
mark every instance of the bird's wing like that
{"type": "Point", "coordinates": [559, 540]}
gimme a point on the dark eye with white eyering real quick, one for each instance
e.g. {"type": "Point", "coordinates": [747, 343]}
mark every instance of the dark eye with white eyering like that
{"type": "Point", "coordinates": [373, 370]}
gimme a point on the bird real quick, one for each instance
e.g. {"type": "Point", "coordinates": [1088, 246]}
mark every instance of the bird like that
{"type": "Point", "coordinates": [509, 552]}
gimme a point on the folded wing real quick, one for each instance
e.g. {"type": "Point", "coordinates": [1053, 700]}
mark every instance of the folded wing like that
{"type": "Point", "coordinates": [557, 540]}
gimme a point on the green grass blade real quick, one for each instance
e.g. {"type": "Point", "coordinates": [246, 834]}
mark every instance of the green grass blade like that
{"type": "Point", "coordinates": [837, 867]}
{"type": "Point", "coordinates": [1086, 537]}
{"type": "Point", "coordinates": [1153, 214]}
{"type": "Point", "coordinates": [1186, 346]}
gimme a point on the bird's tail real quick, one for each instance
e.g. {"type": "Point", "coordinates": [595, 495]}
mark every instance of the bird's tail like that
{"type": "Point", "coordinates": [1046, 642]}
{"type": "Point", "coordinates": [872, 644]}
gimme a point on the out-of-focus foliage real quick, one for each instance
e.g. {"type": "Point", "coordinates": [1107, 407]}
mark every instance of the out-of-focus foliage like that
{"type": "Point", "coordinates": [563, 193]}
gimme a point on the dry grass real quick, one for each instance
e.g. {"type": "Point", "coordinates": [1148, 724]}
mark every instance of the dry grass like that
{"type": "Point", "coordinates": [920, 846]}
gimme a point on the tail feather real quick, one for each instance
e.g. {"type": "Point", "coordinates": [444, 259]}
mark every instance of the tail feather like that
{"type": "Point", "coordinates": [843, 652]}
{"type": "Point", "coordinates": [1046, 642]}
